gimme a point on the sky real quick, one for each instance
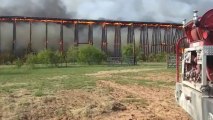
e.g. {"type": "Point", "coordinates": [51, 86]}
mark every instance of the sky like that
{"type": "Point", "coordinates": [125, 10]}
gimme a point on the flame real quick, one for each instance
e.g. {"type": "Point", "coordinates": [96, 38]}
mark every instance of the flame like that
{"type": "Point", "coordinates": [84, 22]}
{"type": "Point", "coordinates": [119, 23]}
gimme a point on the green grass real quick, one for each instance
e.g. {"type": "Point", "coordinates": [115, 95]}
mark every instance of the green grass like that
{"type": "Point", "coordinates": [12, 78]}
{"type": "Point", "coordinates": [129, 78]}
{"type": "Point", "coordinates": [39, 93]}
{"type": "Point", "coordinates": [49, 80]}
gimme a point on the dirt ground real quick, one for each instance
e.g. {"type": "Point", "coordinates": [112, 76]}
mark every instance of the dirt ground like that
{"type": "Point", "coordinates": [108, 101]}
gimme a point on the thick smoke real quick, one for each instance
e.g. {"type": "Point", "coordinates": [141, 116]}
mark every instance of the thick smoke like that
{"type": "Point", "coordinates": [33, 8]}
{"type": "Point", "coordinates": [137, 10]}
{"type": "Point", "coordinates": [130, 10]}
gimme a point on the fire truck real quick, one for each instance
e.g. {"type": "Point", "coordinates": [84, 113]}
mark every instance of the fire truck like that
{"type": "Point", "coordinates": [194, 67]}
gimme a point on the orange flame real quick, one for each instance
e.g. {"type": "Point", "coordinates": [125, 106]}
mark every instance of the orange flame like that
{"type": "Point", "coordinates": [91, 22]}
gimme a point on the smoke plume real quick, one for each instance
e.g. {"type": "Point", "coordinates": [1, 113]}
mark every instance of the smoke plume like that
{"type": "Point", "coordinates": [33, 8]}
{"type": "Point", "coordinates": [128, 10]}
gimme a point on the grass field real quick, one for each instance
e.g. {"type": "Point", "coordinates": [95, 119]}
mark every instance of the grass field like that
{"type": "Point", "coordinates": [86, 81]}
{"type": "Point", "coordinates": [50, 80]}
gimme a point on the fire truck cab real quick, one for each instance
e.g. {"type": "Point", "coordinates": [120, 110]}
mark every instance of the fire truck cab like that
{"type": "Point", "coordinates": [194, 84]}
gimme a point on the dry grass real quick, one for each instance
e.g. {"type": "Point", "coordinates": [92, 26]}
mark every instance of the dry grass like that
{"type": "Point", "coordinates": [89, 92]}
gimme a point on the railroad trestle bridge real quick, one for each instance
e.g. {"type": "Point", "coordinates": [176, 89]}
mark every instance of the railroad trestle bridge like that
{"type": "Point", "coordinates": [151, 37]}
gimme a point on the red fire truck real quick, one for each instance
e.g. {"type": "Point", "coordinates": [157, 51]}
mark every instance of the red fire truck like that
{"type": "Point", "coordinates": [194, 84]}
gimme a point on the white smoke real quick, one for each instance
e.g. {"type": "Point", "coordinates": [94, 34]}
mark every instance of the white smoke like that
{"type": "Point", "coordinates": [137, 10]}
{"type": "Point", "coordinates": [128, 10]}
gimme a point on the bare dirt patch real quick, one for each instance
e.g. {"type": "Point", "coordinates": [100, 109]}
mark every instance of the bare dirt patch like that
{"type": "Point", "coordinates": [159, 103]}
{"type": "Point", "coordinates": [162, 76]}
{"type": "Point", "coordinates": [68, 104]}
{"type": "Point", "coordinates": [108, 101]}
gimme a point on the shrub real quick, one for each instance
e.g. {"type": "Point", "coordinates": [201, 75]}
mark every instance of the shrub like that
{"type": "Point", "coordinates": [160, 57]}
{"type": "Point", "coordinates": [72, 55]}
{"type": "Point", "coordinates": [43, 57]}
{"type": "Point", "coordinates": [90, 55]}
{"type": "Point", "coordinates": [19, 63]}
{"type": "Point", "coordinates": [127, 51]}
{"type": "Point", "coordinates": [49, 57]}
{"type": "Point", "coordinates": [31, 60]}
{"type": "Point", "coordinates": [6, 58]}
{"type": "Point", "coordinates": [152, 58]}
{"type": "Point", "coordinates": [56, 58]}
{"type": "Point", "coordinates": [144, 57]}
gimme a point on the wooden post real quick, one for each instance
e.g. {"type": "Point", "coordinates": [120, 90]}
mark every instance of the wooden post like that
{"type": "Point", "coordinates": [46, 40]}
{"type": "Point", "coordinates": [0, 38]}
{"type": "Point", "coordinates": [117, 41]}
{"type": "Point", "coordinates": [147, 40]}
{"type": "Point", "coordinates": [90, 34]}
{"type": "Point", "coordinates": [30, 43]}
{"type": "Point", "coordinates": [104, 38]}
{"type": "Point", "coordinates": [76, 34]}
{"type": "Point", "coordinates": [130, 34]}
{"type": "Point", "coordinates": [62, 38]}
{"type": "Point", "coordinates": [134, 49]}
{"type": "Point", "coordinates": [14, 37]}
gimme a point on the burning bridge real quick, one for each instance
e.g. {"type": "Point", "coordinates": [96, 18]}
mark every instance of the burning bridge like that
{"type": "Point", "coordinates": [21, 33]}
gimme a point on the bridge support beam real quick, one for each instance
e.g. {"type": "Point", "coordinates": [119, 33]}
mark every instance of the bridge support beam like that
{"type": "Point", "coordinates": [153, 41]}
{"type": "Point", "coordinates": [62, 38]}
{"type": "Point", "coordinates": [30, 42]}
{"type": "Point", "coordinates": [117, 41]}
{"type": "Point", "coordinates": [90, 34]}
{"type": "Point", "coordinates": [0, 38]}
{"type": "Point", "coordinates": [104, 38]}
{"type": "Point", "coordinates": [144, 40]}
{"type": "Point", "coordinates": [76, 38]}
{"type": "Point", "coordinates": [46, 39]}
{"type": "Point", "coordinates": [14, 38]}
{"type": "Point", "coordinates": [130, 34]}
{"type": "Point", "coordinates": [156, 40]}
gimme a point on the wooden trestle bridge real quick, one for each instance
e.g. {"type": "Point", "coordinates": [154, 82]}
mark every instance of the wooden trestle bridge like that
{"type": "Point", "coordinates": [154, 37]}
